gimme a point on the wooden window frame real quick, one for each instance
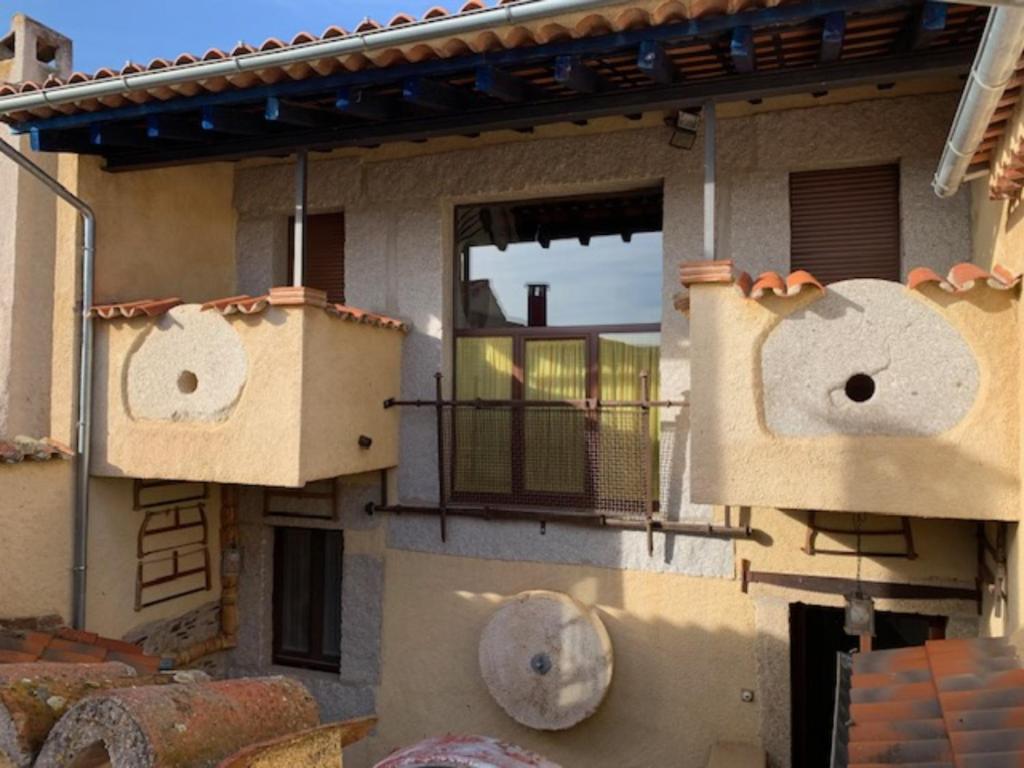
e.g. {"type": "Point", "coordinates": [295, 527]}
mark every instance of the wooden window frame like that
{"type": "Point", "coordinates": [317, 658]}
{"type": "Point", "coordinates": [521, 336]}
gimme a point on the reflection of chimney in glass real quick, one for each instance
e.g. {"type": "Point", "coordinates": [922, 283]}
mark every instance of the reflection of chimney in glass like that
{"type": "Point", "coordinates": [537, 304]}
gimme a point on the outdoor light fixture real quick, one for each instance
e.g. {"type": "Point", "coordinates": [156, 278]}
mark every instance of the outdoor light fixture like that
{"type": "Point", "coordinates": [860, 615]}
{"type": "Point", "coordinates": [684, 127]}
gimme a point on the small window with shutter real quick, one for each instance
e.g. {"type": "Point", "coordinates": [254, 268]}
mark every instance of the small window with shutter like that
{"type": "Point", "coordinates": [325, 254]}
{"type": "Point", "coordinates": [845, 223]}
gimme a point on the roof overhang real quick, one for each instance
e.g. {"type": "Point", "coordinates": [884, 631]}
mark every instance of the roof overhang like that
{"type": "Point", "coordinates": [617, 63]}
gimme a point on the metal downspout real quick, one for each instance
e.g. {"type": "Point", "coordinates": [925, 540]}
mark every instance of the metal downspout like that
{"type": "Point", "coordinates": [299, 230]}
{"type": "Point", "coordinates": [84, 406]}
{"type": "Point", "coordinates": [710, 180]}
{"type": "Point", "coordinates": [993, 67]}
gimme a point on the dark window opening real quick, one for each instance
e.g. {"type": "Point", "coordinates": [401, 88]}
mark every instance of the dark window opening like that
{"type": "Point", "coordinates": [325, 254]}
{"type": "Point", "coordinates": [845, 223]}
{"type": "Point", "coordinates": [557, 300]}
{"type": "Point", "coordinates": [816, 636]}
{"type": "Point", "coordinates": [307, 598]}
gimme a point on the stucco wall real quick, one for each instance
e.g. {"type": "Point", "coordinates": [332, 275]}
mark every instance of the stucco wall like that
{"type": "Point", "coordinates": [399, 249]}
{"type": "Point", "coordinates": [113, 537]}
{"type": "Point", "coordinates": [35, 539]}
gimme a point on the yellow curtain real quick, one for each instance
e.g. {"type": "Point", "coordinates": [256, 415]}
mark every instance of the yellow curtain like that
{"type": "Point", "coordinates": [555, 460]}
{"type": "Point", "coordinates": [483, 438]}
{"type": "Point", "coordinates": [621, 363]}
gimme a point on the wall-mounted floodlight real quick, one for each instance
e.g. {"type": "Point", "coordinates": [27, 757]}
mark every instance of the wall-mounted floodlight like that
{"type": "Point", "coordinates": [684, 127]}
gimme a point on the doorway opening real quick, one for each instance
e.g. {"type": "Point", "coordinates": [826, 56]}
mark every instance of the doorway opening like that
{"type": "Point", "coordinates": [816, 635]}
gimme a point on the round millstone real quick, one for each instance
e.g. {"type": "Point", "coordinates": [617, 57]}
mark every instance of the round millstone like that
{"type": "Point", "coordinates": [547, 660]}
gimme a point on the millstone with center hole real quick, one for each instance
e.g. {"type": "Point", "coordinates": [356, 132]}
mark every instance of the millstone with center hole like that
{"type": "Point", "coordinates": [546, 660]}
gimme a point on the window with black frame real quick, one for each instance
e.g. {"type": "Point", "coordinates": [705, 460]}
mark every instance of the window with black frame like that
{"type": "Point", "coordinates": [307, 598]}
{"type": "Point", "coordinates": [558, 301]}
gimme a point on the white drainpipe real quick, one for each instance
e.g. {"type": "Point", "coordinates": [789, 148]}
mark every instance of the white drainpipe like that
{"type": "Point", "coordinates": [366, 42]}
{"type": "Point", "coordinates": [994, 65]}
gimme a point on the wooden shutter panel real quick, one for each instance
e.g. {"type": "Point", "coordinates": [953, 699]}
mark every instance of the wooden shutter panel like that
{"type": "Point", "coordinates": [325, 254]}
{"type": "Point", "coordinates": [845, 223]}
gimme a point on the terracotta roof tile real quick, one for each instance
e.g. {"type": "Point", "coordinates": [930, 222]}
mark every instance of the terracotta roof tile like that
{"type": "Point", "coordinates": [961, 278]}
{"type": "Point", "coordinates": [24, 448]}
{"type": "Point", "coordinates": [964, 708]}
{"type": "Point", "coordinates": [143, 308]}
{"type": "Point", "coordinates": [72, 646]}
{"type": "Point", "coordinates": [627, 16]}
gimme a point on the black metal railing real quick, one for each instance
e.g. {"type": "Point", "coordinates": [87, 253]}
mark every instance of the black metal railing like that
{"type": "Point", "coordinates": [584, 457]}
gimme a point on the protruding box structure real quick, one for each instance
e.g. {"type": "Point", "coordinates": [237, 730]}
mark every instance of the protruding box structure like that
{"type": "Point", "coordinates": [277, 390]}
{"type": "Point", "coordinates": [867, 396]}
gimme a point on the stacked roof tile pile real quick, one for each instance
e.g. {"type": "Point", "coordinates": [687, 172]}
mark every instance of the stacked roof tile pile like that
{"type": "Point", "coordinates": [72, 646]}
{"type": "Point", "coordinates": [955, 703]}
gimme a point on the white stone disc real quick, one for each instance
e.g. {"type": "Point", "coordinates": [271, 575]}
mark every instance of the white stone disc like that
{"type": "Point", "coordinates": [546, 660]}
{"type": "Point", "coordinates": [190, 366]}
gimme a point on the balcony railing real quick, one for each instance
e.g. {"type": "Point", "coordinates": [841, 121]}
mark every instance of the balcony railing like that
{"type": "Point", "coordinates": [579, 461]}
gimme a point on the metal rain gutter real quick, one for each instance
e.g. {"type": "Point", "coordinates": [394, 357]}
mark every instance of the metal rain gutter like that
{"type": "Point", "coordinates": [85, 374]}
{"type": "Point", "coordinates": [365, 42]}
{"type": "Point", "coordinates": [994, 65]}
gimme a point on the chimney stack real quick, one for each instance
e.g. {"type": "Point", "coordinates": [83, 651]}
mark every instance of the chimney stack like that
{"type": "Point", "coordinates": [537, 304]}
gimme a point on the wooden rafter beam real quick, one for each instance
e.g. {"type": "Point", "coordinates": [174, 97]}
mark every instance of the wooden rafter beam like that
{"type": "Point", "coordinates": [573, 73]}
{"type": "Point", "coordinates": [653, 62]}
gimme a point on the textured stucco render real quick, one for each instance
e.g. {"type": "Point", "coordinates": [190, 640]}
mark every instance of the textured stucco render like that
{"type": "Point", "coordinates": [398, 224]}
{"type": "Point", "coordinates": [281, 398]}
{"type": "Point", "coordinates": [970, 470]}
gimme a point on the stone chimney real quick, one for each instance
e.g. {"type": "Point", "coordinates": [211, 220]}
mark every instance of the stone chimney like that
{"type": "Point", "coordinates": [32, 51]}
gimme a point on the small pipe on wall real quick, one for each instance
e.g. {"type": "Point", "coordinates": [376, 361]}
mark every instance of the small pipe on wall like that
{"type": "Point", "coordinates": [300, 231]}
{"type": "Point", "coordinates": [227, 638]}
{"type": "Point", "coordinates": [84, 330]}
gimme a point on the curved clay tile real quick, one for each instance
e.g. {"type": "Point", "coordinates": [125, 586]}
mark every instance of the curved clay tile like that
{"type": "Point", "coordinates": [552, 33]}
{"type": "Point", "coordinates": [6, 89]}
{"type": "Point", "coordinates": [700, 9]}
{"type": "Point", "coordinates": [456, 46]}
{"type": "Point", "coordinates": [158, 64]}
{"type": "Point", "coordinates": [1005, 276]}
{"type": "Point", "coordinates": [77, 77]}
{"type": "Point", "coordinates": [214, 54]}
{"type": "Point", "coordinates": [355, 62]}
{"type": "Point", "coordinates": [130, 68]}
{"type": "Point", "coordinates": [269, 76]}
{"type": "Point", "coordinates": [185, 58]}
{"type": "Point", "coordinates": [242, 49]}
{"type": "Point", "coordinates": [272, 44]}
{"type": "Point", "coordinates": [401, 19]}
{"type": "Point", "coordinates": [484, 42]}
{"type": "Point", "coordinates": [744, 283]}
{"type": "Point", "coordinates": [671, 11]}
{"type": "Point", "coordinates": [437, 12]}
{"type": "Point", "coordinates": [922, 275]}
{"type": "Point", "coordinates": [368, 25]}
{"type": "Point", "coordinates": [593, 25]}
{"type": "Point", "coordinates": [388, 58]}
{"type": "Point", "coordinates": [324, 67]}
{"type": "Point", "coordinates": [52, 82]}
{"type": "Point", "coordinates": [768, 281]}
{"type": "Point", "coordinates": [303, 38]}
{"type": "Point", "coordinates": [473, 5]}
{"type": "Point", "coordinates": [333, 32]}
{"type": "Point", "coordinates": [421, 52]}
{"type": "Point", "coordinates": [965, 275]}
{"type": "Point", "coordinates": [28, 86]}
{"type": "Point", "coordinates": [801, 279]}
{"type": "Point", "coordinates": [632, 18]}
{"type": "Point", "coordinates": [104, 73]}
{"type": "Point", "coordinates": [518, 37]}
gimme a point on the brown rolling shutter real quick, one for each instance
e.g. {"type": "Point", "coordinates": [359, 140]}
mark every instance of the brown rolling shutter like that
{"type": "Point", "coordinates": [325, 254]}
{"type": "Point", "coordinates": [845, 223]}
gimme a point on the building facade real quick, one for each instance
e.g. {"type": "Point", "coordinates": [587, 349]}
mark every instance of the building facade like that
{"type": "Point", "coordinates": [336, 477]}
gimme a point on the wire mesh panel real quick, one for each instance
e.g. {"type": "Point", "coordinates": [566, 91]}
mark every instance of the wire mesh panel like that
{"type": "Point", "coordinates": [588, 457]}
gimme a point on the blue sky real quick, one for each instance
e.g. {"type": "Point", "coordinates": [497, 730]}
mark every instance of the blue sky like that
{"type": "Point", "coordinates": [107, 33]}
